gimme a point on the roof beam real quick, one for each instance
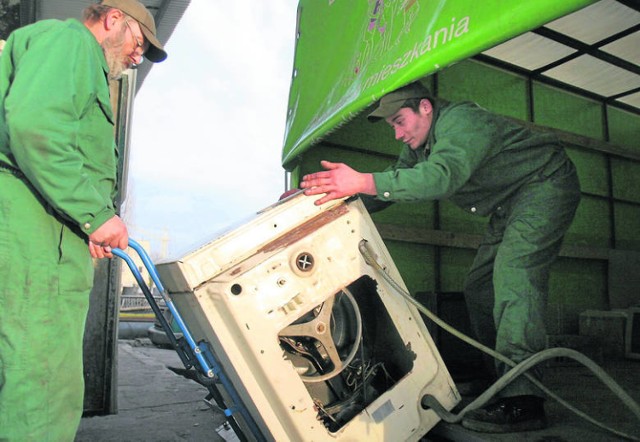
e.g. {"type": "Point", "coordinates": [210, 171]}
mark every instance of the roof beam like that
{"type": "Point", "coordinates": [583, 48]}
{"type": "Point", "coordinates": [554, 83]}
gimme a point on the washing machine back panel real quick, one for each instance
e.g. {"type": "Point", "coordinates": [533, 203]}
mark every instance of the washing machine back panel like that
{"type": "Point", "coordinates": [318, 345]}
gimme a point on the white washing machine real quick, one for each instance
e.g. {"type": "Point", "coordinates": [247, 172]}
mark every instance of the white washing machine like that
{"type": "Point", "coordinates": [318, 346]}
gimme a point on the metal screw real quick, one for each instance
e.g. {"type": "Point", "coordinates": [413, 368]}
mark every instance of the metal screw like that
{"type": "Point", "coordinates": [304, 262]}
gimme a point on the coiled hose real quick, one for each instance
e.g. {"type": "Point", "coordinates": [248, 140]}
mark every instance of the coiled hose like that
{"type": "Point", "coordinates": [517, 370]}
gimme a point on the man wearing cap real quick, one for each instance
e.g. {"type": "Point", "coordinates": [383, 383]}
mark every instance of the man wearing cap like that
{"type": "Point", "coordinates": [58, 180]}
{"type": "Point", "coordinates": [489, 166]}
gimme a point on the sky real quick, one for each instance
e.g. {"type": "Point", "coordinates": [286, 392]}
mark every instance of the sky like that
{"type": "Point", "coordinates": [208, 124]}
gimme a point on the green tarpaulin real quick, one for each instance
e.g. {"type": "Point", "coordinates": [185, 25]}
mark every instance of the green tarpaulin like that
{"type": "Point", "coordinates": [349, 53]}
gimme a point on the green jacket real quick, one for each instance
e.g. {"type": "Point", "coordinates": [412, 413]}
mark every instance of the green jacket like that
{"type": "Point", "coordinates": [472, 157]}
{"type": "Point", "coordinates": [56, 121]}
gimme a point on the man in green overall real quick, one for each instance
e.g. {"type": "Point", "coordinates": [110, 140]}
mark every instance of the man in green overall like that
{"type": "Point", "coordinates": [489, 166]}
{"type": "Point", "coordinates": [57, 187]}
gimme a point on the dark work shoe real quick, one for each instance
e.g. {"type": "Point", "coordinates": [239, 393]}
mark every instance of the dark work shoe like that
{"type": "Point", "coordinates": [508, 415]}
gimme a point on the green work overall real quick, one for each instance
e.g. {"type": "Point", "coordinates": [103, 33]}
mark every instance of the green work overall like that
{"type": "Point", "coordinates": [46, 276]}
{"type": "Point", "coordinates": [492, 166]}
{"type": "Point", "coordinates": [507, 287]}
{"type": "Point", "coordinates": [57, 182]}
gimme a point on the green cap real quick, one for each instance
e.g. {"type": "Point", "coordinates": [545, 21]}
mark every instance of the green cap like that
{"type": "Point", "coordinates": [393, 101]}
{"type": "Point", "coordinates": [137, 11]}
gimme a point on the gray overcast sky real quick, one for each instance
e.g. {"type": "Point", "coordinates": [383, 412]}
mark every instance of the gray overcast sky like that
{"type": "Point", "coordinates": [208, 123]}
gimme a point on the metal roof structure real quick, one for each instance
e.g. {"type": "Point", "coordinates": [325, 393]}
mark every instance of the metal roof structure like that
{"type": "Point", "coordinates": [594, 51]}
{"type": "Point", "coordinates": [167, 14]}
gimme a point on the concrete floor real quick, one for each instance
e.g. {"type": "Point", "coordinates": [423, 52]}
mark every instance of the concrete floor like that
{"type": "Point", "coordinates": [156, 404]}
{"type": "Point", "coordinates": [582, 389]}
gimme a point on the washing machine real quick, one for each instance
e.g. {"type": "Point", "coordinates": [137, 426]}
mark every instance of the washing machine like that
{"type": "Point", "coordinates": [316, 342]}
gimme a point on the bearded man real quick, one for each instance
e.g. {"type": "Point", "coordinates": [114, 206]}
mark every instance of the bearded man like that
{"type": "Point", "coordinates": [58, 162]}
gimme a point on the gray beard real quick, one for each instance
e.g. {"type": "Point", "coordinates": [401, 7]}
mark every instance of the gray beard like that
{"type": "Point", "coordinates": [115, 68]}
{"type": "Point", "coordinates": [112, 48]}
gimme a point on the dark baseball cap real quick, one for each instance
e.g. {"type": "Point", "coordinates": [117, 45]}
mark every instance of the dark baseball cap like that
{"type": "Point", "coordinates": [137, 11]}
{"type": "Point", "coordinates": [393, 101]}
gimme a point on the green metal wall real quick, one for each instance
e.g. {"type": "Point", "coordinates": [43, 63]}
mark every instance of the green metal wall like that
{"type": "Point", "coordinates": [433, 243]}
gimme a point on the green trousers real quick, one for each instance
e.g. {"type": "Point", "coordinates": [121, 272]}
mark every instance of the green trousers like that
{"type": "Point", "coordinates": [46, 275]}
{"type": "Point", "coordinates": [507, 287]}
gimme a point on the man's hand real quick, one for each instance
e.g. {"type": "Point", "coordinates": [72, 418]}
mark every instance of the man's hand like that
{"type": "Point", "coordinates": [111, 234]}
{"type": "Point", "coordinates": [337, 181]}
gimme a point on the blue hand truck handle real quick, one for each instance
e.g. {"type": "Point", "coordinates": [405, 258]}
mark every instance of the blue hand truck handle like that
{"type": "Point", "coordinates": [202, 352]}
{"type": "Point", "coordinates": [197, 351]}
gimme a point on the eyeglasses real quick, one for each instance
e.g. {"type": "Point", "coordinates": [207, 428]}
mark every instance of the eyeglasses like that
{"type": "Point", "coordinates": [139, 45]}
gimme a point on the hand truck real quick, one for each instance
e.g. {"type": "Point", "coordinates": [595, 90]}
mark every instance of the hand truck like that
{"type": "Point", "coordinates": [193, 355]}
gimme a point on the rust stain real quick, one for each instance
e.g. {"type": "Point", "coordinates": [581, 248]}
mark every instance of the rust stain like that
{"type": "Point", "coordinates": [305, 229]}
